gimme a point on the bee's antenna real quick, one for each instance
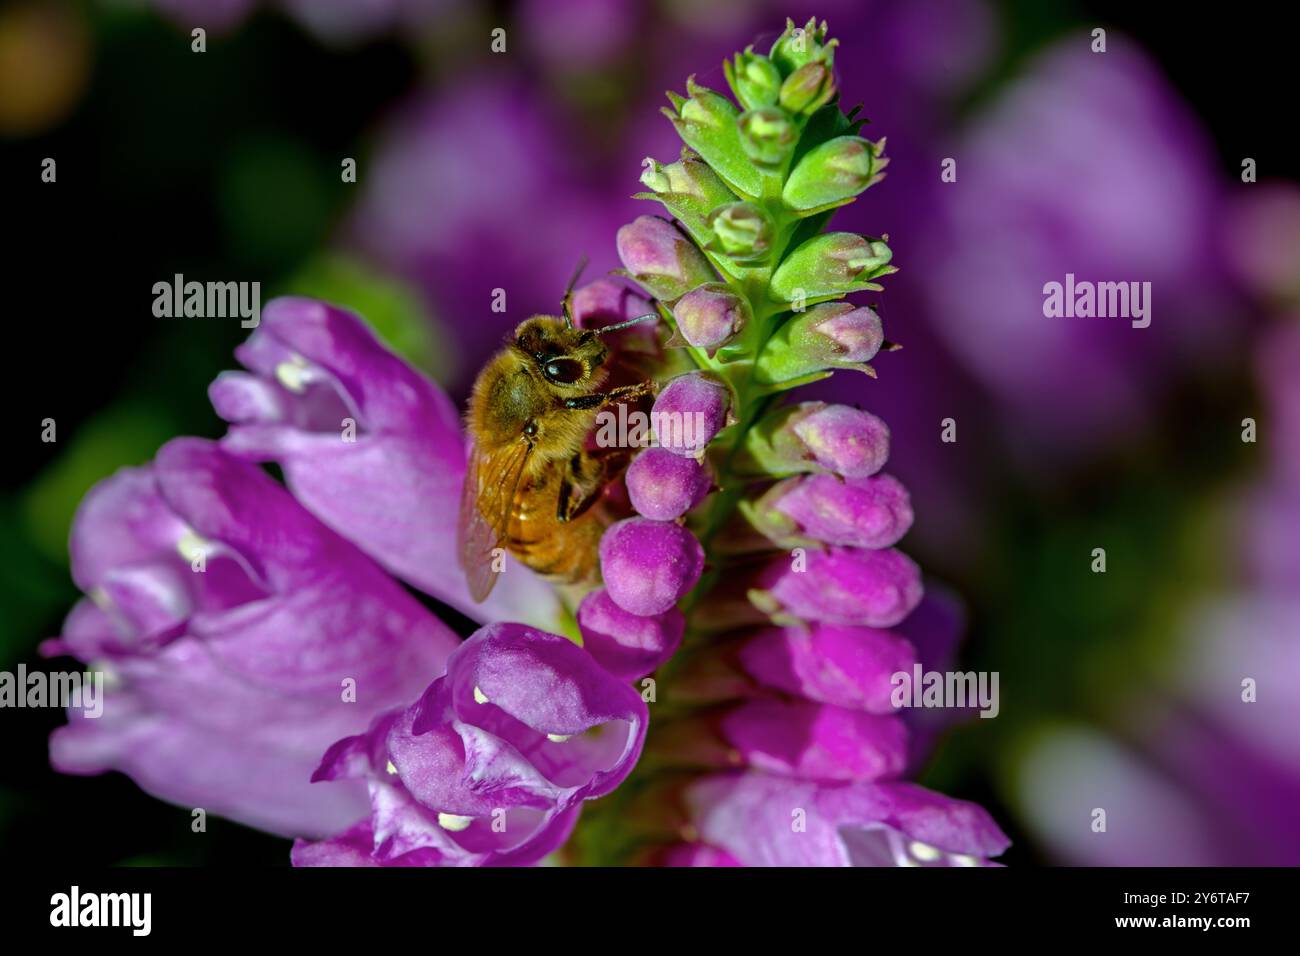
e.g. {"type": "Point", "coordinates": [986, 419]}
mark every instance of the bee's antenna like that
{"type": "Point", "coordinates": [623, 325]}
{"type": "Point", "coordinates": [568, 291]}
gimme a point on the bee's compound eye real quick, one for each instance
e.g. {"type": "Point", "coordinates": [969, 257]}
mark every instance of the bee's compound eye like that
{"type": "Point", "coordinates": [564, 371]}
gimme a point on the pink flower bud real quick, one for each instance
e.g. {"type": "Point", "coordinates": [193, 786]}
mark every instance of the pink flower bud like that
{"type": "Point", "coordinates": [814, 436]}
{"type": "Point", "coordinates": [627, 645]}
{"type": "Point", "coordinates": [689, 412]}
{"type": "Point", "coordinates": [870, 512]}
{"type": "Point", "coordinates": [648, 565]}
{"type": "Point", "coordinates": [841, 586]}
{"type": "Point", "coordinates": [847, 666]}
{"type": "Point", "coordinates": [708, 316]}
{"type": "Point", "coordinates": [846, 440]}
{"type": "Point", "coordinates": [831, 335]}
{"type": "Point", "coordinates": [800, 738]}
{"type": "Point", "coordinates": [659, 257]}
{"type": "Point", "coordinates": [664, 486]}
{"type": "Point", "coordinates": [854, 335]}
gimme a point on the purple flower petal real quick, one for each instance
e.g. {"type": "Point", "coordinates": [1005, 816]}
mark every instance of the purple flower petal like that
{"type": "Point", "coordinates": [491, 764]}
{"type": "Point", "coordinates": [232, 712]}
{"type": "Point", "coordinates": [697, 854]}
{"type": "Point", "coordinates": [368, 445]}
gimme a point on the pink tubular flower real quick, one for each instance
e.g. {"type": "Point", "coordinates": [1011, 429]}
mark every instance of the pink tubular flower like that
{"type": "Point", "coordinates": [492, 762]}
{"type": "Point", "coordinates": [240, 637]}
{"type": "Point", "coordinates": [844, 586]}
{"type": "Point", "coordinates": [872, 512]}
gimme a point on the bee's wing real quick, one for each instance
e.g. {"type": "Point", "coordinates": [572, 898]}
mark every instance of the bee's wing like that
{"type": "Point", "coordinates": [486, 502]}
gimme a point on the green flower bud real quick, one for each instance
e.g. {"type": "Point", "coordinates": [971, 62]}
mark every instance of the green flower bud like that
{"type": "Point", "coordinates": [767, 135]}
{"type": "Point", "coordinates": [807, 89]}
{"type": "Point", "coordinates": [798, 46]}
{"type": "Point", "coordinates": [753, 78]}
{"type": "Point", "coordinates": [655, 177]}
{"type": "Point", "coordinates": [743, 230]}
{"type": "Point", "coordinates": [831, 265]}
{"type": "Point", "coordinates": [831, 335]}
{"type": "Point", "coordinates": [767, 519]}
{"type": "Point", "coordinates": [707, 124]}
{"type": "Point", "coordinates": [689, 189]}
{"type": "Point", "coordinates": [832, 174]}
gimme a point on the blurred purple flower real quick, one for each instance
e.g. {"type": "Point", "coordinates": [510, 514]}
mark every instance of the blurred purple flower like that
{"type": "Point", "coordinates": [1089, 165]}
{"type": "Point", "coordinates": [428, 211]}
{"type": "Point", "coordinates": [607, 28]}
{"type": "Point", "coordinates": [217, 16]}
{"type": "Point", "coordinates": [1213, 776]}
{"type": "Point", "coordinates": [1263, 240]}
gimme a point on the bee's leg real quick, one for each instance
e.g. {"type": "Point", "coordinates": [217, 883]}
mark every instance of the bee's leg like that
{"type": "Point", "coordinates": [584, 478]}
{"type": "Point", "coordinates": [624, 393]}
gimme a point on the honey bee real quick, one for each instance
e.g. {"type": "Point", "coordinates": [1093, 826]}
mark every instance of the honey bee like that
{"type": "Point", "coordinates": [533, 487]}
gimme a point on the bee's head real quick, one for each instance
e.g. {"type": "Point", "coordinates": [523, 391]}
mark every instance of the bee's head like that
{"type": "Point", "coordinates": [561, 354]}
